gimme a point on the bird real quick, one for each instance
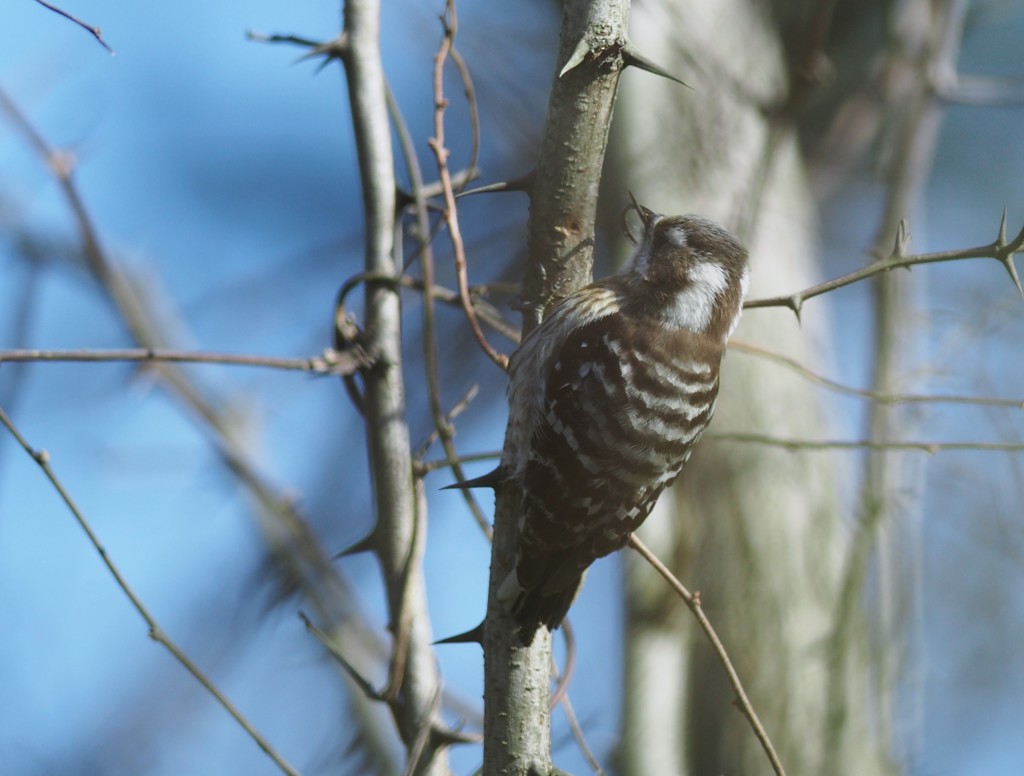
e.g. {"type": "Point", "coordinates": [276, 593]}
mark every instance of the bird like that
{"type": "Point", "coordinates": [607, 397]}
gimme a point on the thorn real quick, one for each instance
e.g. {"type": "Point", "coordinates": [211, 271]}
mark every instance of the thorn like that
{"type": "Point", "coordinates": [474, 636]}
{"type": "Point", "coordinates": [448, 736]}
{"type": "Point", "coordinates": [1001, 239]}
{"type": "Point", "coordinates": [492, 479]}
{"type": "Point", "coordinates": [524, 183]}
{"type": "Point", "coordinates": [403, 199]}
{"type": "Point", "coordinates": [1018, 241]}
{"type": "Point", "coordinates": [633, 58]}
{"type": "Point", "coordinates": [365, 544]}
{"type": "Point", "coordinates": [796, 304]}
{"type": "Point", "coordinates": [1008, 263]}
{"type": "Point", "coordinates": [576, 58]}
{"type": "Point", "coordinates": [332, 49]}
{"type": "Point", "coordinates": [902, 240]}
{"type": "Point", "coordinates": [331, 647]}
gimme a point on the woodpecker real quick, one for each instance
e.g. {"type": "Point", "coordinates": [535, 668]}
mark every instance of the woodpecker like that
{"type": "Point", "coordinates": [607, 397]}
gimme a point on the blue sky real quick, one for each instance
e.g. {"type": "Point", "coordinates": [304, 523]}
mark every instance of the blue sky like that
{"type": "Point", "coordinates": [223, 175]}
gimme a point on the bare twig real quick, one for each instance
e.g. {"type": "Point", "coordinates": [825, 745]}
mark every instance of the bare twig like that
{"type": "Point", "coordinates": [443, 429]}
{"type": "Point", "coordinates": [321, 581]}
{"type": "Point", "coordinates": [42, 459]}
{"type": "Point", "coordinates": [429, 466]}
{"type": "Point", "coordinates": [692, 601]}
{"type": "Point", "coordinates": [795, 445]}
{"type": "Point", "coordinates": [332, 362]}
{"type": "Point", "coordinates": [90, 28]}
{"type": "Point", "coordinates": [289, 535]}
{"type": "Point", "coordinates": [10, 388]}
{"type": "Point", "coordinates": [581, 739]}
{"type": "Point", "coordinates": [879, 396]}
{"type": "Point", "coordinates": [560, 695]}
{"type": "Point", "coordinates": [297, 40]}
{"type": "Point", "coordinates": [474, 112]}
{"type": "Point", "coordinates": [563, 678]}
{"type": "Point", "coordinates": [484, 311]}
{"type": "Point", "coordinates": [449, 23]}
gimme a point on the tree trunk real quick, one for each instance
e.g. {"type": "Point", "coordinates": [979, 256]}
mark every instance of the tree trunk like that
{"type": "Point", "coordinates": [756, 530]}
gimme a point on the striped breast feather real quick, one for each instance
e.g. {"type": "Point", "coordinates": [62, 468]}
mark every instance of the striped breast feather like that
{"type": "Point", "coordinates": [616, 426]}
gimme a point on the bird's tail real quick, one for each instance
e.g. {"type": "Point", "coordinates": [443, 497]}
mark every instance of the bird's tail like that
{"type": "Point", "coordinates": [534, 608]}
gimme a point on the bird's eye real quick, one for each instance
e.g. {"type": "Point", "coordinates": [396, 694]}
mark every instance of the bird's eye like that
{"type": "Point", "coordinates": [676, 236]}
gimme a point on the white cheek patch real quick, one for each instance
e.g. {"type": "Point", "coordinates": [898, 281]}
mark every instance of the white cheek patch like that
{"type": "Point", "coordinates": [695, 304]}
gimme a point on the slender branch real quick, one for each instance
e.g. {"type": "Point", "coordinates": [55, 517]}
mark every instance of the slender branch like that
{"type": "Point", "coordinates": [332, 362]}
{"type": "Point", "coordinates": [795, 445]}
{"type": "Point", "coordinates": [297, 40]}
{"type": "Point", "coordinates": [1000, 250]}
{"type": "Point", "coordinates": [95, 31]}
{"type": "Point", "coordinates": [863, 393]}
{"type": "Point", "coordinates": [399, 534]}
{"type": "Point", "coordinates": [443, 429]}
{"type": "Point", "coordinates": [429, 466]}
{"type": "Point", "coordinates": [483, 311]}
{"type": "Point", "coordinates": [291, 538]}
{"type": "Point", "coordinates": [457, 409]}
{"type": "Point", "coordinates": [692, 601]}
{"type": "Point", "coordinates": [563, 678]}
{"type": "Point", "coordinates": [560, 696]}
{"type": "Point", "coordinates": [21, 324]}
{"type": "Point", "coordinates": [474, 112]}
{"type": "Point", "coordinates": [364, 684]}
{"type": "Point", "coordinates": [449, 22]}
{"type": "Point", "coordinates": [581, 739]}
{"type": "Point", "coordinates": [42, 459]}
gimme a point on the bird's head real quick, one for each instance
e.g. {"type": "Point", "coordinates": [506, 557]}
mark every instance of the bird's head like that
{"type": "Point", "coordinates": [687, 272]}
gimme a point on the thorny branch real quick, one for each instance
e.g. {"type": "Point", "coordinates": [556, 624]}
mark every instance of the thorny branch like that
{"type": "Point", "coordinates": [42, 459]}
{"type": "Point", "coordinates": [288, 534]}
{"type": "Point", "coordinates": [1000, 250]}
{"type": "Point", "coordinates": [399, 534]}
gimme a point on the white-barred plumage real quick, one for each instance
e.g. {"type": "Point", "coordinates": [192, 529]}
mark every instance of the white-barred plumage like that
{"type": "Point", "coordinates": [607, 398]}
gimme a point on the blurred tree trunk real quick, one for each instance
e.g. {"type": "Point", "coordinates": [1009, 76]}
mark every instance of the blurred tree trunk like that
{"type": "Point", "coordinates": [756, 530]}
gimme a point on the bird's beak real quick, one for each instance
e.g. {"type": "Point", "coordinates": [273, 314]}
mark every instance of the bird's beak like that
{"type": "Point", "coordinates": [647, 216]}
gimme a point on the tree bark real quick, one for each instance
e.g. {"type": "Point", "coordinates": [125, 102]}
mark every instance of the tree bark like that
{"type": "Point", "coordinates": [398, 535]}
{"type": "Point", "coordinates": [563, 205]}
